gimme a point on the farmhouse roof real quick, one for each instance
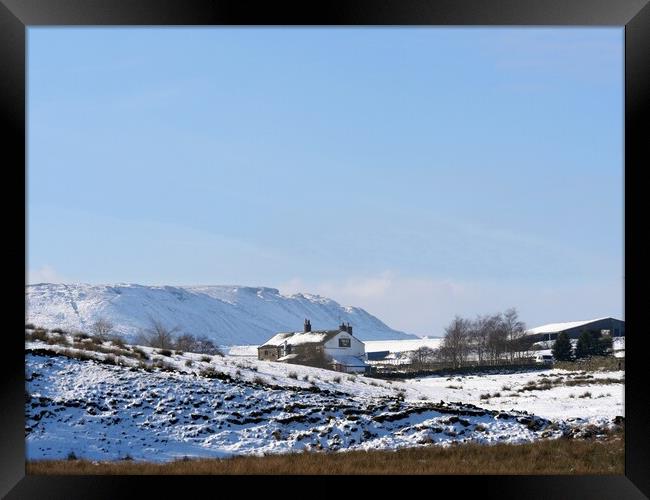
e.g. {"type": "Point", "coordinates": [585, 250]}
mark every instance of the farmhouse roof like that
{"type": "Point", "coordinates": [299, 338]}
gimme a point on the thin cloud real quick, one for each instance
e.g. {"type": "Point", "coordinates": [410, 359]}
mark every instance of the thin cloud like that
{"type": "Point", "coordinates": [425, 306]}
{"type": "Point", "coordinates": [45, 274]}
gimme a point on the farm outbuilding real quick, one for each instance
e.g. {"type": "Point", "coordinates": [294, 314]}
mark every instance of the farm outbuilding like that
{"type": "Point", "coordinates": [377, 355]}
{"type": "Point", "coordinates": [601, 326]}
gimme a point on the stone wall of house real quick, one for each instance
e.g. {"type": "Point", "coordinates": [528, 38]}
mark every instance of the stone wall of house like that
{"type": "Point", "coordinates": [267, 353]}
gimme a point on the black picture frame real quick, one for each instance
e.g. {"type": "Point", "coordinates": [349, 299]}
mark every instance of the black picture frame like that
{"type": "Point", "coordinates": [634, 15]}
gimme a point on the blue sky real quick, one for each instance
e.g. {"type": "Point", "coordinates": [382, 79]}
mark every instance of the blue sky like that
{"type": "Point", "coordinates": [416, 172]}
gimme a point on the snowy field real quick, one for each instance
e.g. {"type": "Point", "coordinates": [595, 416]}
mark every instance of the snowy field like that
{"type": "Point", "coordinates": [605, 401]}
{"type": "Point", "coordinates": [402, 345]}
{"type": "Point", "coordinates": [193, 405]}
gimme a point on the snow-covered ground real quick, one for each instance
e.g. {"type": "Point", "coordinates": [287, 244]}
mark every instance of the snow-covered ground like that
{"type": "Point", "coordinates": [402, 345]}
{"type": "Point", "coordinates": [192, 405]}
{"type": "Point", "coordinates": [228, 315]}
{"type": "Point", "coordinates": [605, 400]}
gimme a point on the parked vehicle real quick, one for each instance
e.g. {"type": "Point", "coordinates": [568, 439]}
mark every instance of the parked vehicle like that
{"type": "Point", "coordinates": [546, 359]}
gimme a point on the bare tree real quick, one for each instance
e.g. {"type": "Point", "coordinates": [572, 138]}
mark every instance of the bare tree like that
{"type": "Point", "coordinates": [158, 335]}
{"type": "Point", "coordinates": [478, 337]}
{"type": "Point", "coordinates": [185, 342]}
{"type": "Point", "coordinates": [515, 330]}
{"type": "Point", "coordinates": [496, 338]}
{"type": "Point", "coordinates": [455, 346]}
{"type": "Point", "coordinates": [102, 328]}
{"type": "Point", "coordinates": [204, 345]}
{"type": "Point", "coordinates": [422, 357]}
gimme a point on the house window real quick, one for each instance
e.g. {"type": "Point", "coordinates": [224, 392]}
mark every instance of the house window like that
{"type": "Point", "coordinates": [344, 342]}
{"type": "Point", "coordinates": [266, 353]}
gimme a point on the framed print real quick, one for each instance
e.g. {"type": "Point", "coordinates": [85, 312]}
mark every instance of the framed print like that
{"type": "Point", "coordinates": [339, 243]}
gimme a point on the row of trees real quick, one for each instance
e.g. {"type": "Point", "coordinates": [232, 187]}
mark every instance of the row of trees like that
{"type": "Point", "coordinates": [589, 344]}
{"type": "Point", "coordinates": [489, 339]}
{"type": "Point", "coordinates": [158, 335]}
{"type": "Point", "coordinates": [486, 340]}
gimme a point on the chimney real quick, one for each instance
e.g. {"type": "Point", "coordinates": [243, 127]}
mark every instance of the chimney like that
{"type": "Point", "coordinates": [307, 326]}
{"type": "Point", "coordinates": [349, 329]}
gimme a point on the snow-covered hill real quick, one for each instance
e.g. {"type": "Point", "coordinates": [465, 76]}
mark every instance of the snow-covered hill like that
{"type": "Point", "coordinates": [226, 314]}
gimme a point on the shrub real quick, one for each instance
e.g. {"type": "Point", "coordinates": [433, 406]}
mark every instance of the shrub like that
{"type": "Point", "coordinates": [165, 352]}
{"type": "Point", "coordinates": [59, 339]}
{"type": "Point", "coordinates": [179, 353]}
{"type": "Point", "coordinates": [80, 355]}
{"type": "Point", "coordinates": [206, 359]}
{"type": "Point", "coordinates": [209, 373]}
{"type": "Point", "coordinates": [259, 381]}
{"type": "Point", "coordinates": [306, 378]}
{"type": "Point", "coordinates": [293, 375]}
{"type": "Point", "coordinates": [29, 326]}
{"type": "Point", "coordinates": [118, 342]}
{"type": "Point", "coordinates": [140, 353]}
{"type": "Point", "coordinates": [337, 379]}
{"type": "Point", "coordinates": [79, 336]}
{"type": "Point", "coordinates": [496, 395]}
{"type": "Point", "coordinates": [188, 362]}
{"type": "Point", "coordinates": [39, 334]}
{"type": "Point", "coordinates": [97, 341]}
{"type": "Point", "coordinates": [58, 330]}
{"type": "Point", "coordinates": [158, 335]}
{"type": "Point", "coordinates": [72, 456]}
{"type": "Point", "coordinates": [163, 365]}
{"type": "Point", "coordinates": [485, 396]}
{"type": "Point", "coordinates": [586, 394]}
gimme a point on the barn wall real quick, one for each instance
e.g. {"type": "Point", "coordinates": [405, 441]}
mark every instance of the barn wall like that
{"type": "Point", "coordinates": [615, 326]}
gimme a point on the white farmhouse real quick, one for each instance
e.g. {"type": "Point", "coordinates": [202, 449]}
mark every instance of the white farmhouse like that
{"type": "Point", "coordinates": [335, 349]}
